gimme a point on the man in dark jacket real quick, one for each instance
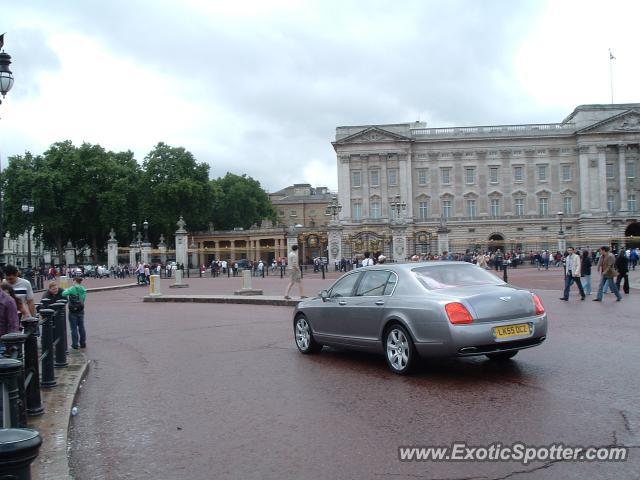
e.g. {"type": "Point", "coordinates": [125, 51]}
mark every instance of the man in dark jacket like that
{"type": "Point", "coordinates": [622, 266]}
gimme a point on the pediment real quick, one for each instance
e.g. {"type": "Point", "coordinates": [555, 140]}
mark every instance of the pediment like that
{"type": "Point", "coordinates": [372, 135]}
{"type": "Point", "coordinates": [625, 122]}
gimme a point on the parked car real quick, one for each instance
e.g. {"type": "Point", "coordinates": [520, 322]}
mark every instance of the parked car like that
{"type": "Point", "coordinates": [243, 263]}
{"type": "Point", "coordinates": [431, 309]}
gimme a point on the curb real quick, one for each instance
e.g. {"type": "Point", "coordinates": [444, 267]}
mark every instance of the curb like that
{"type": "Point", "coordinates": [53, 425]}
{"type": "Point", "coordinates": [113, 287]}
{"type": "Point", "coordinates": [238, 299]}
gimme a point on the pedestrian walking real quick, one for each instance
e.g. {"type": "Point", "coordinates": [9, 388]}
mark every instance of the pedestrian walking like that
{"type": "Point", "coordinates": [9, 322]}
{"type": "Point", "coordinates": [607, 269]}
{"type": "Point", "coordinates": [572, 275]}
{"type": "Point", "coordinates": [585, 267]}
{"type": "Point", "coordinates": [21, 287]}
{"type": "Point", "coordinates": [77, 295]}
{"type": "Point", "coordinates": [622, 266]}
{"type": "Point", "coordinates": [367, 261]}
{"type": "Point", "coordinates": [296, 274]}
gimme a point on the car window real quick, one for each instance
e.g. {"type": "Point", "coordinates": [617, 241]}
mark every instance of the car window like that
{"type": "Point", "coordinates": [344, 286]}
{"type": "Point", "coordinates": [448, 276]}
{"type": "Point", "coordinates": [372, 283]}
{"type": "Point", "coordinates": [391, 283]}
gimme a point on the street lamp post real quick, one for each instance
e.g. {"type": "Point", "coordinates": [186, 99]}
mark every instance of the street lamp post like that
{"type": "Point", "coordinates": [397, 206]}
{"type": "Point", "coordinates": [27, 209]}
{"type": "Point", "coordinates": [334, 208]}
{"type": "Point", "coordinates": [6, 82]}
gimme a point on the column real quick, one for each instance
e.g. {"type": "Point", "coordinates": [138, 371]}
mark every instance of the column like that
{"type": "Point", "coordinates": [344, 186]}
{"type": "Point", "coordinates": [399, 236]}
{"type": "Point", "coordinates": [409, 187]}
{"type": "Point", "coordinates": [258, 253]}
{"type": "Point", "coordinates": [583, 155]}
{"type": "Point", "coordinates": [602, 175]}
{"type": "Point", "coordinates": [216, 249]}
{"type": "Point", "coordinates": [232, 249]}
{"type": "Point", "coordinates": [334, 231]}
{"type": "Point", "coordinates": [70, 254]}
{"type": "Point", "coordinates": [181, 243]}
{"type": "Point", "coordinates": [622, 167]}
{"type": "Point", "coordinates": [112, 250]}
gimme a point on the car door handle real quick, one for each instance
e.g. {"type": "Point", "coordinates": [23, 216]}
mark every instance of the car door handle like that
{"type": "Point", "coordinates": [342, 302]}
{"type": "Point", "coordinates": [380, 302]}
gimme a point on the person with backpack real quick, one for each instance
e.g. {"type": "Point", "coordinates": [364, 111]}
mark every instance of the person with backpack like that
{"type": "Point", "coordinates": [77, 295]}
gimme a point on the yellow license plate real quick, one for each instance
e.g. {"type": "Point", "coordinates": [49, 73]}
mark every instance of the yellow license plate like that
{"type": "Point", "coordinates": [507, 331]}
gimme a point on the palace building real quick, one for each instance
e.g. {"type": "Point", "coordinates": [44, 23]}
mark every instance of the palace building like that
{"type": "Point", "coordinates": [408, 188]}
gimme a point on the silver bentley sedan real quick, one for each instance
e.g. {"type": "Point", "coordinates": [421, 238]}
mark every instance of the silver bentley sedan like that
{"type": "Point", "coordinates": [431, 309]}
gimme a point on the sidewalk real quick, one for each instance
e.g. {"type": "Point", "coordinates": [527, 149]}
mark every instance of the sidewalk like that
{"type": "Point", "coordinates": [53, 425]}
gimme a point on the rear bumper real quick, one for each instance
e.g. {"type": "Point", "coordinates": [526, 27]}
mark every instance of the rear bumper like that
{"type": "Point", "coordinates": [479, 339]}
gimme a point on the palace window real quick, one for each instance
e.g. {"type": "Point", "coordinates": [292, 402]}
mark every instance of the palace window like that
{"type": "Point", "coordinates": [375, 209]}
{"type": "Point", "coordinates": [611, 203]}
{"type": "Point", "coordinates": [446, 175]}
{"type": "Point", "coordinates": [446, 208]}
{"type": "Point", "coordinates": [542, 173]}
{"type": "Point", "coordinates": [568, 205]}
{"type": "Point", "coordinates": [392, 176]}
{"type": "Point", "coordinates": [470, 175]}
{"type": "Point", "coordinates": [495, 207]}
{"type": "Point", "coordinates": [519, 207]}
{"type": "Point", "coordinates": [356, 179]}
{"type": "Point", "coordinates": [357, 210]}
{"type": "Point", "coordinates": [543, 203]}
{"type": "Point", "coordinates": [375, 178]}
{"type": "Point", "coordinates": [566, 173]}
{"type": "Point", "coordinates": [631, 203]}
{"type": "Point", "coordinates": [471, 208]}
{"type": "Point", "coordinates": [631, 169]}
{"type": "Point", "coordinates": [611, 174]}
{"type": "Point", "coordinates": [493, 175]}
{"type": "Point", "coordinates": [423, 210]}
{"type": "Point", "coordinates": [422, 176]}
{"type": "Point", "coordinates": [518, 174]}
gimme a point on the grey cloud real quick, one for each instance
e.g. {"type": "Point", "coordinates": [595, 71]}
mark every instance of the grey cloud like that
{"type": "Point", "coordinates": [295, 78]}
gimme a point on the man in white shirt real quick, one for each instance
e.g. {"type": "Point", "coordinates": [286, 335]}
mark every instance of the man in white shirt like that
{"type": "Point", "coordinates": [367, 261]}
{"type": "Point", "coordinates": [573, 269]}
{"type": "Point", "coordinates": [296, 274]}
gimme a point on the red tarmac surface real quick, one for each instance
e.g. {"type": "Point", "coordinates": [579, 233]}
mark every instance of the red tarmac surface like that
{"type": "Point", "coordinates": [201, 391]}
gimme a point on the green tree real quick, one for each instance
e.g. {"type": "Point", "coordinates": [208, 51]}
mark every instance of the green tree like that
{"type": "Point", "coordinates": [174, 184]}
{"type": "Point", "coordinates": [240, 201]}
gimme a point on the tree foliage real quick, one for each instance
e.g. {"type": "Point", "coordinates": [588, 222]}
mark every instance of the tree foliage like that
{"type": "Point", "coordinates": [80, 193]}
{"type": "Point", "coordinates": [240, 201]}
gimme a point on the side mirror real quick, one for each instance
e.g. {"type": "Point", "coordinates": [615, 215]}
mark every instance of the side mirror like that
{"type": "Point", "coordinates": [324, 295]}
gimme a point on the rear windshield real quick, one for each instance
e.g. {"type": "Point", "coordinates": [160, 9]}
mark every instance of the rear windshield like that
{"type": "Point", "coordinates": [449, 276]}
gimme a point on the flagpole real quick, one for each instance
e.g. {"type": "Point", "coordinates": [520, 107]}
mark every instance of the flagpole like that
{"type": "Point", "coordinates": [611, 58]}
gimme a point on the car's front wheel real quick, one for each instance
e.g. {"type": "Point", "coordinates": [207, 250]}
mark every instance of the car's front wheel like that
{"type": "Point", "coordinates": [502, 356]}
{"type": "Point", "coordinates": [400, 352]}
{"type": "Point", "coordinates": [304, 337]}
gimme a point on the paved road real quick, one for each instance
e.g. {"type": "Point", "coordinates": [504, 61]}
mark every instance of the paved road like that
{"type": "Point", "coordinates": [219, 391]}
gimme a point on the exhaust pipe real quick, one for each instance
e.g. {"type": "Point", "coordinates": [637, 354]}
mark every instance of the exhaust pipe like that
{"type": "Point", "coordinates": [468, 350]}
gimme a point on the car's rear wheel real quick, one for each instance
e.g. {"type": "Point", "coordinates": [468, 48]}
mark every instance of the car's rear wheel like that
{"type": "Point", "coordinates": [399, 349]}
{"type": "Point", "coordinates": [304, 337]}
{"type": "Point", "coordinates": [502, 356]}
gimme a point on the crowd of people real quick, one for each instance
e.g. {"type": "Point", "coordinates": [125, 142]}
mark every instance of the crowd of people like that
{"type": "Point", "coordinates": [17, 301]}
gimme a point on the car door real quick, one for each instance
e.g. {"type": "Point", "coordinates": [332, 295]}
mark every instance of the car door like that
{"type": "Point", "coordinates": [335, 310]}
{"type": "Point", "coordinates": [368, 305]}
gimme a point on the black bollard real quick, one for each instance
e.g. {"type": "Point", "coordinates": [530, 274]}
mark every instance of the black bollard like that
{"type": "Point", "coordinates": [14, 343]}
{"type": "Point", "coordinates": [64, 324]}
{"type": "Point", "coordinates": [48, 373]}
{"type": "Point", "coordinates": [60, 357]}
{"type": "Point", "coordinates": [281, 271]}
{"type": "Point", "coordinates": [32, 368]}
{"type": "Point", "coordinates": [9, 371]}
{"type": "Point", "coordinates": [504, 272]}
{"type": "Point", "coordinates": [322, 267]}
{"type": "Point", "coordinates": [18, 448]}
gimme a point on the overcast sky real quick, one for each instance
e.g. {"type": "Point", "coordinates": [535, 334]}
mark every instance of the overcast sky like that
{"type": "Point", "coordinates": [259, 86]}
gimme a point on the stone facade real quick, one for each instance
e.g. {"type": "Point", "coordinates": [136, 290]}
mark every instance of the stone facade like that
{"type": "Point", "coordinates": [490, 186]}
{"type": "Point", "coordinates": [302, 204]}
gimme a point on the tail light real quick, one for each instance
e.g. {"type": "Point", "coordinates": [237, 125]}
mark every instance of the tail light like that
{"type": "Point", "coordinates": [538, 303]}
{"type": "Point", "coordinates": [458, 313]}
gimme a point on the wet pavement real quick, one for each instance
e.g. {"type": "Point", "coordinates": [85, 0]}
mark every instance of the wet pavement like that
{"type": "Point", "coordinates": [203, 391]}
